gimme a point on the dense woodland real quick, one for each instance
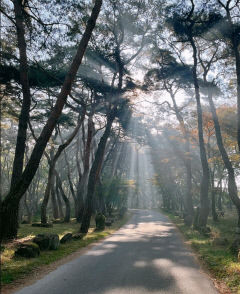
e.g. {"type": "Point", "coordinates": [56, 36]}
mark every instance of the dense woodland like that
{"type": "Point", "coordinates": [82, 82]}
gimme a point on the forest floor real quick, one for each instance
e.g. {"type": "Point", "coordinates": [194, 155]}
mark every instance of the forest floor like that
{"type": "Point", "coordinates": [15, 270]}
{"type": "Point", "coordinates": [223, 266]}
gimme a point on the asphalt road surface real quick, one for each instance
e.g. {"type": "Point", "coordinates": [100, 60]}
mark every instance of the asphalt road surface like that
{"type": "Point", "coordinates": [145, 256]}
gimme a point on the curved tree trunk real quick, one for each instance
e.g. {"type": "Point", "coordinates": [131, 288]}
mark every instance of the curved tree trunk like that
{"type": "Point", "coordinates": [55, 208]}
{"type": "Point", "coordinates": [232, 187]}
{"type": "Point", "coordinates": [28, 209]}
{"type": "Point", "coordinates": [9, 207]}
{"type": "Point", "coordinates": [65, 199]}
{"type": "Point", "coordinates": [47, 196]}
{"type": "Point", "coordinates": [82, 185]}
{"type": "Point", "coordinates": [94, 174]}
{"type": "Point", "coordinates": [52, 162]}
{"type": "Point", "coordinates": [26, 103]}
{"type": "Point", "coordinates": [187, 162]}
{"type": "Point", "coordinates": [60, 205]}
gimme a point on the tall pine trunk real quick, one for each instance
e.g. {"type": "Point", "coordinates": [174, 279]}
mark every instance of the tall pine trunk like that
{"type": "Point", "coordinates": [26, 102]}
{"type": "Point", "coordinates": [188, 201]}
{"type": "Point", "coordinates": [81, 188]}
{"type": "Point", "coordinates": [204, 200]}
{"type": "Point", "coordinates": [94, 174]}
{"type": "Point", "coordinates": [65, 199]}
{"type": "Point", "coordinates": [232, 187]}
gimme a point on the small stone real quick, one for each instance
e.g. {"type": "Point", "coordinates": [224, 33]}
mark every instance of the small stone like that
{"type": "Point", "coordinates": [28, 250]}
{"type": "Point", "coordinates": [66, 238]}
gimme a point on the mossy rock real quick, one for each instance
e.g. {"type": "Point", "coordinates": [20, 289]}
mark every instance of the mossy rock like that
{"type": "Point", "coordinates": [47, 241]}
{"type": "Point", "coordinates": [78, 236]}
{"type": "Point", "coordinates": [66, 238]}
{"type": "Point", "coordinates": [28, 250]}
{"type": "Point", "coordinates": [54, 242]}
{"type": "Point", "coordinates": [100, 222]}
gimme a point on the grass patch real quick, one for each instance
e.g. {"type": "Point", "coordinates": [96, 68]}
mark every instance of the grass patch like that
{"type": "Point", "coordinates": [14, 268]}
{"type": "Point", "coordinates": [219, 260]}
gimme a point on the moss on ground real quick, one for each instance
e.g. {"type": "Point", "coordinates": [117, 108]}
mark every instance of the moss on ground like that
{"type": "Point", "coordinates": [14, 268]}
{"type": "Point", "coordinates": [219, 260]}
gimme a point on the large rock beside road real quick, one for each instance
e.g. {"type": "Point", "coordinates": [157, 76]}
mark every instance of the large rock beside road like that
{"type": "Point", "coordinates": [47, 241]}
{"type": "Point", "coordinates": [66, 238]}
{"type": "Point", "coordinates": [28, 250]}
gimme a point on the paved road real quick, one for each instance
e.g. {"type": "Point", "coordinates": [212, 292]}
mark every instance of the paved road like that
{"type": "Point", "coordinates": [145, 256]}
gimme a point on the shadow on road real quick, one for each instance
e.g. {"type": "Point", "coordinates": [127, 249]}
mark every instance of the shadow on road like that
{"type": "Point", "coordinates": [145, 256]}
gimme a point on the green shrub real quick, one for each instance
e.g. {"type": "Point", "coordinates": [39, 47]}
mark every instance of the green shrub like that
{"type": "Point", "coordinates": [100, 221]}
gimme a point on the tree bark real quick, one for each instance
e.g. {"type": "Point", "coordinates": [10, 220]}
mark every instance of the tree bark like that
{"type": "Point", "coordinates": [232, 187]}
{"type": "Point", "coordinates": [81, 189]}
{"type": "Point", "coordinates": [47, 195]}
{"type": "Point", "coordinates": [9, 208]}
{"type": "Point", "coordinates": [26, 102]}
{"type": "Point", "coordinates": [187, 162]}
{"type": "Point", "coordinates": [234, 38]}
{"type": "Point", "coordinates": [204, 200]}
{"type": "Point", "coordinates": [28, 209]}
{"type": "Point", "coordinates": [94, 174]}
{"type": "Point", "coordinates": [52, 164]}
{"type": "Point", "coordinates": [55, 208]}
{"type": "Point", "coordinates": [65, 199]}
{"type": "Point", "coordinates": [60, 205]}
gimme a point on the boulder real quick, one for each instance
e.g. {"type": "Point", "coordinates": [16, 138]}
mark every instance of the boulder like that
{"type": "Point", "coordinates": [47, 241]}
{"type": "Point", "coordinates": [28, 250]}
{"type": "Point", "coordinates": [43, 241]}
{"type": "Point", "coordinates": [78, 236]}
{"type": "Point", "coordinates": [220, 242]}
{"type": "Point", "coordinates": [54, 242]}
{"type": "Point", "coordinates": [66, 238]}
